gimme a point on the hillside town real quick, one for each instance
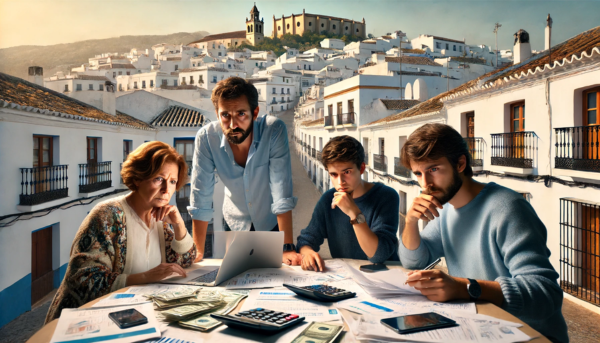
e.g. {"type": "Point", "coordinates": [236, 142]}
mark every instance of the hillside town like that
{"type": "Point", "coordinates": [81, 125]}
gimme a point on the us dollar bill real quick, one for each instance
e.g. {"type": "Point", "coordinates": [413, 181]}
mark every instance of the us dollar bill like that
{"type": "Point", "coordinates": [317, 332]}
{"type": "Point", "coordinates": [205, 322]}
{"type": "Point", "coordinates": [202, 297]}
{"type": "Point", "coordinates": [186, 311]}
{"type": "Point", "coordinates": [183, 292]}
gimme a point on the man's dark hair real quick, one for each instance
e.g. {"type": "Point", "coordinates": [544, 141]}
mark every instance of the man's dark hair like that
{"type": "Point", "coordinates": [434, 141]}
{"type": "Point", "coordinates": [343, 149]}
{"type": "Point", "coordinates": [233, 88]}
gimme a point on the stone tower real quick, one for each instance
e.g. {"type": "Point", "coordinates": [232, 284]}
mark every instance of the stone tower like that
{"type": "Point", "coordinates": [254, 27]}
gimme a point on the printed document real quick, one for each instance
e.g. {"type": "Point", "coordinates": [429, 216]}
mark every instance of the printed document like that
{"type": "Point", "coordinates": [287, 301]}
{"type": "Point", "coordinates": [94, 325]}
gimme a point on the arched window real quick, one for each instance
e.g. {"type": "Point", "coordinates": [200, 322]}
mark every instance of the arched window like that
{"type": "Point", "coordinates": [248, 28]}
{"type": "Point", "coordinates": [334, 26]}
{"type": "Point", "coordinates": [346, 28]}
{"type": "Point", "coordinates": [298, 24]}
{"type": "Point", "coordinates": [278, 28]}
{"type": "Point", "coordinates": [310, 23]}
{"type": "Point", "coordinates": [259, 29]}
{"type": "Point", "coordinates": [357, 30]}
{"type": "Point", "coordinates": [288, 26]}
{"type": "Point", "coordinates": [251, 28]}
{"type": "Point", "coordinates": [322, 25]}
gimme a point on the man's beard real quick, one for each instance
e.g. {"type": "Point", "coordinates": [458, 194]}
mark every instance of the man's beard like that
{"type": "Point", "coordinates": [238, 140]}
{"type": "Point", "coordinates": [450, 191]}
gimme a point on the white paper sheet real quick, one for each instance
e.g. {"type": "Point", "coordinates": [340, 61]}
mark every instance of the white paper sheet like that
{"type": "Point", "coordinates": [276, 277]}
{"type": "Point", "coordinates": [389, 283]}
{"type": "Point", "coordinates": [470, 329]}
{"type": "Point", "coordinates": [95, 325]}
{"type": "Point", "coordinates": [120, 299]}
{"type": "Point", "coordinates": [410, 302]}
{"type": "Point", "coordinates": [287, 301]}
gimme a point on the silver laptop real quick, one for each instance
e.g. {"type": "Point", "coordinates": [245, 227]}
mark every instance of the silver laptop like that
{"type": "Point", "coordinates": [246, 250]}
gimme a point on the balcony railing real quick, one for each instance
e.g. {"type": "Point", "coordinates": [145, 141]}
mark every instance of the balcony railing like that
{"type": "Point", "coordinates": [345, 118]}
{"type": "Point", "coordinates": [400, 169]}
{"type": "Point", "coordinates": [328, 121]}
{"type": "Point", "coordinates": [578, 148]}
{"type": "Point", "coordinates": [43, 184]}
{"type": "Point", "coordinates": [475, 146]}
{"type": "Point", "coordinates": [319, 155]}
{"type": "Point", "coordinates": [515, 149]}
{"type": "Point", "coordinates": [274, 102]}
{"type": "Point", "coordinates": [94, 177]}
{"type": "Point", "coordinates": [313, 153]}
{"type": "Point", "coordinates": [579, 257]}
{"type": "Point", "coordinates": [380, 162]}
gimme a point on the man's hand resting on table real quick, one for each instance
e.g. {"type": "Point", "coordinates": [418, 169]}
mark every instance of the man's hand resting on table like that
{"type": "Point", "coordinates": [311, 260]}
{"type": "Point", "coordinates": [291, 258]}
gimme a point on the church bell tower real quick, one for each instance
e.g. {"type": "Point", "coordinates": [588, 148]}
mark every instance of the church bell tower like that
{"type": "Point", "coordinates": [254, 27]}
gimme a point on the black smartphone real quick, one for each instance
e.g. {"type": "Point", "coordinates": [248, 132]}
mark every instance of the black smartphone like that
{"type": "Point", "coordinates": [418, 322]}
{"type": "Point", "coordinates": [128, 318]}
{"type": "Point", "coordinates": [371, 268]}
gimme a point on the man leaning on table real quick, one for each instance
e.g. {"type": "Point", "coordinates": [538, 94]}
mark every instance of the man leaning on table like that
{"type": "Point", "coordinates": [492, 239]}
{"type": "Point", "coordinates": [252, 158]}
{"type": "Point", "coordinates": [358, 218]}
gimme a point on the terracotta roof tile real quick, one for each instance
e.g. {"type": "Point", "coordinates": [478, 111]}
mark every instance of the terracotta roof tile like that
{"type": "Point", "coordinates": [32, 97]}
{"type": "Point", "coordinates": [173, 58]}
{"type": "Point", "coordinates": [399, 104]}
{"type": "Point", "coordinates": [227, 35]}
{"type": "Point", "coordinates": [92, 77]}
{"type": "Point", "coordinates": [413, 60]}
{"type": "Point", "coordinates": [177, 116]}
{"type": "Point", "coordinates": [471, 60]}
{"type": "Point", "coordinates": [318, 122]}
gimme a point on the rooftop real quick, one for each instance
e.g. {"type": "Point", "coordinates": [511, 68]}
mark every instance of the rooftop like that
{"type": "Point", "coordinates": [117, 66]}
{"type": "Point", "coordinates": [227, 35]}
{"type": "Point", "coordinates": [399, 104]}
{"type": "Point", "coordinates": [24, 95]}
{"type": "Point", "coordinates": [317, 122]}
{"type": "Point", "coordinates": [412, 60]}
{"type": "Point", "coordinates": [177, 116]}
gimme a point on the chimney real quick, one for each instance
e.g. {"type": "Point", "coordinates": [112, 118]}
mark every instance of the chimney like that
{"type": "Point", "coordinates": [548, 36]}
{"type": "Point", "coordinates": [522, 48]}
{"type": "Point", "coordinates": [36, 75]}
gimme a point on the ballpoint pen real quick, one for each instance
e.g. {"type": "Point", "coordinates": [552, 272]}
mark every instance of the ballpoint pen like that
{"type": "Point", "coordinates": [433, 264]}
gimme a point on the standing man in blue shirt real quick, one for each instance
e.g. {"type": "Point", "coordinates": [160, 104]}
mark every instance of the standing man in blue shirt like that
{"type": "Point", "coordinates": [251, 155]}
{"type": "Point", "coordinates": [493, 241]}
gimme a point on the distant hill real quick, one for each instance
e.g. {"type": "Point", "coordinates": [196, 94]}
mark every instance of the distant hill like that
{"type": "Point", "coordinates": [16, 60]}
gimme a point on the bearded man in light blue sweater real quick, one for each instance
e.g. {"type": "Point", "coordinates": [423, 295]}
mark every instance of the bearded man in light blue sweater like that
{"type": "Point", "coordinates": [493, 241]}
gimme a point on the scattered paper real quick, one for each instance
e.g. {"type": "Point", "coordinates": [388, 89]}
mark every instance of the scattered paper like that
{"type": "Point", "coordinates": [94, 325]}
{"type": "Point", "coordinates": [287, 301]}
{"type": "Point", "coordinates": [120, 299]}
{"type": "Point", "coordinates": [389, 283]}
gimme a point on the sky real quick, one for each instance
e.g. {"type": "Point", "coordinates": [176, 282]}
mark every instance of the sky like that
{"type": "Point", "coordinates": [48, 22]}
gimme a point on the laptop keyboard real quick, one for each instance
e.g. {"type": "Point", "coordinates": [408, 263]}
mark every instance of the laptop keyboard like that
{"type": "Point", "coordinates": [208, 277]}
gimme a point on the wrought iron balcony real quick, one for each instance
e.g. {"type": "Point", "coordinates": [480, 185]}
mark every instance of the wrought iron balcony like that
{"type": "Point", "coordinates": [476, 149]}
{"type": "Point", "coordinates": [400, 169]}
{"type": "Point", "coordinates": [579, 257]}
{"type": "Point", "coordinates": [319, 155]}
{"type": "Point", "coordinates": [313, 153]}
{"type": "Point", "coordinates": [328, 121]}
{"type": "Point", "coordinates": [274, 102]}
{"type": "Point", "coordinates": [43, 184]}
{"type": "Point", "coordinates": [578, 148]}
{"type": "Point", "coordinates": [94, 177]}
{"type": "Point", "coordinates": [345, 118]}
{"type": "Point", "coordinates": [515, 149]}
{"type": "Point", "coordinates": [380, 162]}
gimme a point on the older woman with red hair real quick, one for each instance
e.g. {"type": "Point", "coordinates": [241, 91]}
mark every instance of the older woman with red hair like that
{"type": "Point", "coordinates": [133, 239]}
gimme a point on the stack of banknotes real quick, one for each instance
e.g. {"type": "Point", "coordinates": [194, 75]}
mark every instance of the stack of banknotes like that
{"type": "Point", "coordinates": [319, 332]}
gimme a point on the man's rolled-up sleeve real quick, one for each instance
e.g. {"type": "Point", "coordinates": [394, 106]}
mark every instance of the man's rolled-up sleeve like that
{"type": "Point", "coordinates": [280, 171]}
{"type": "Point", "coordinates": [203, 180]}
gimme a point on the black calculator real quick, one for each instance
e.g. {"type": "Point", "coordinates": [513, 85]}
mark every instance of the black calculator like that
{"type": "Point", "coordinates": [321, 292]}
{"type": "Point", "coordinates": [260, 319]}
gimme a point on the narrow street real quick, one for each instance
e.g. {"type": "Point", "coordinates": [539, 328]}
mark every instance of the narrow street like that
{"type": "Point", "coordinates": [304, 189]}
